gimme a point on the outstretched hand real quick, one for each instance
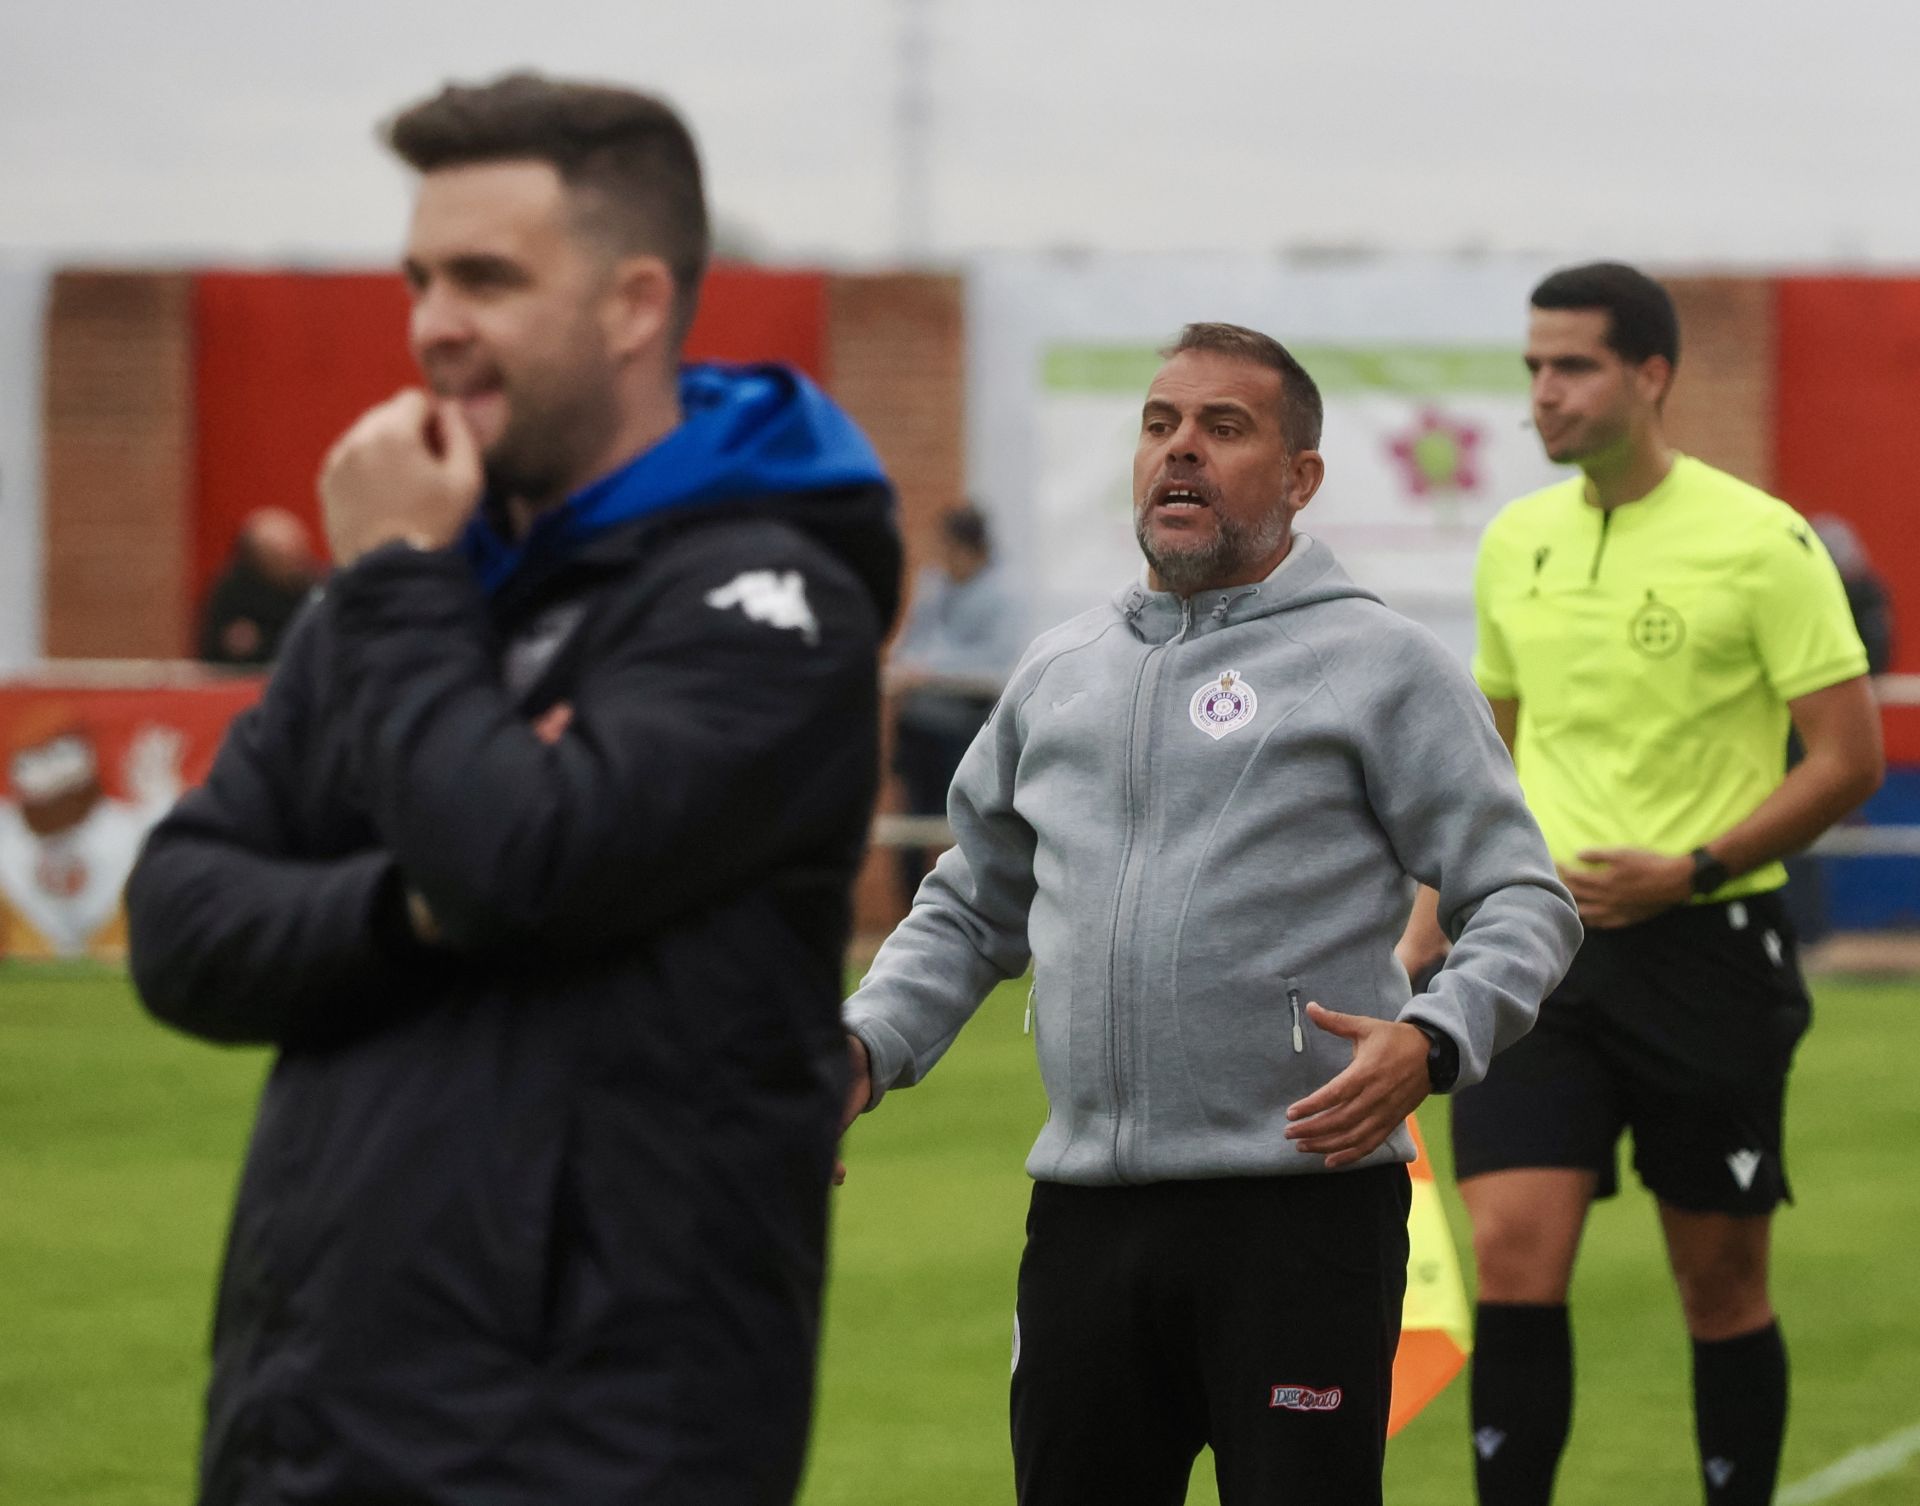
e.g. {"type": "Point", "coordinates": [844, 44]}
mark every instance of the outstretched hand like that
{"type": "Point", "coordinates": [1350, 1117]}
{"type": "Point", "coordinates": [859, 1095]}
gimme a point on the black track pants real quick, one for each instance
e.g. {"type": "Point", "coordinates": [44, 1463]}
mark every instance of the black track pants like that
{"type": "Point", "coordinates": [1258, 1315]}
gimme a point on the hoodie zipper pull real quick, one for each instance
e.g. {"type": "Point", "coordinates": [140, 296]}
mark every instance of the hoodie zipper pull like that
{"type": "Point", "coordinates": [1299, 1035]}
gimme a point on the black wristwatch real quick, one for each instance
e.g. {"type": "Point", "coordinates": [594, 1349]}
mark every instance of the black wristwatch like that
{"type": "Point", "coordinates": [1709, 873]}
{"type": "Point", "coordinates": [1443, 1057]}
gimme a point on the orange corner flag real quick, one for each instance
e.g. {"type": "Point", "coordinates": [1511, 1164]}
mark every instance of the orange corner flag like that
{"type": "Point", "coordinates": [1436, 1334]}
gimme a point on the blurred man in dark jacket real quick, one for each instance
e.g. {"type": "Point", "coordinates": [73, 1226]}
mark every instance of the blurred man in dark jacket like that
{"type": "Point", "coordinates": [534, 862]}
{"type": "Point", "coordinates": [265, 584]}
{"type": "Point", "coordinates": [1872, 611]}
{"type": "Point", "coordinates": [1867, 597]}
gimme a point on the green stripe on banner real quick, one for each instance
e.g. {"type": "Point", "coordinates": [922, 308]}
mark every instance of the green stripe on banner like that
{"type": "Point", "coordinates": [1418, 369]}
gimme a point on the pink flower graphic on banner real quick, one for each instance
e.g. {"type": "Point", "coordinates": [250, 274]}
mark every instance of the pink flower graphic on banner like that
{"type": "Point", "coordinates": [1438, 454]}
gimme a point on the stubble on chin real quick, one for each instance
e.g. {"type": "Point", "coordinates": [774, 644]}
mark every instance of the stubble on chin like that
{"type": "Point", "coordinates": [1232, 550]}
{"type": "Point", "coordinates": [1184, 571]}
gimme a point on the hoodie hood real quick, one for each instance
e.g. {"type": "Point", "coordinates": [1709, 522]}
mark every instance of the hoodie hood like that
{"type": "Point", "coordinates": [1308, 576]}
{"type": "Point", "coordinates": [760, 439]}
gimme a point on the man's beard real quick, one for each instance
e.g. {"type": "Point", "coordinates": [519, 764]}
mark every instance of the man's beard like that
{"type": "Point", "coordinates": [1233, 550]}
{"type": "Point", "coordinates": [539, 458]}
{"type": "Point", "coordinates": [514, 476]}
{"type": "Point", "coordinates": [1596, 438]}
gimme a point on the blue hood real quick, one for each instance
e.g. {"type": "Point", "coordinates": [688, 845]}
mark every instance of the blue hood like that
{"type": "Point", "coordinates": [749, 433]}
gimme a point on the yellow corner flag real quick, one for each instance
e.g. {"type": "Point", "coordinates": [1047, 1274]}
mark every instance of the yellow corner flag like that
{"type": "Point", "coordinates": [1436, 1334]}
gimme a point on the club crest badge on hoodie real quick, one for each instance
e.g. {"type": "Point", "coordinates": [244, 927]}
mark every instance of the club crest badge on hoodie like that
{"type": "Point", "coordinates": [1223, 705]}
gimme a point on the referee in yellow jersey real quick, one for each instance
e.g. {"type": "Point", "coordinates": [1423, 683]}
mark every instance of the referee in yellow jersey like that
{"type": "Point", "coordinates": [1648, 629]}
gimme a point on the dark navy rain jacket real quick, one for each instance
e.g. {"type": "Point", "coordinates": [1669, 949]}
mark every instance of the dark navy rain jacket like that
{"type": "Point", "coordinates": [538, 1214]}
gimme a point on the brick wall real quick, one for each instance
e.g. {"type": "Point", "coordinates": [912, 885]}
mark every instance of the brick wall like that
{"type": "Point", "coordinates": [896, 359]}
{"type": "Point", "coordinates": [1722, 405]}
{"type": "Point", "coordinates": [118, 464]}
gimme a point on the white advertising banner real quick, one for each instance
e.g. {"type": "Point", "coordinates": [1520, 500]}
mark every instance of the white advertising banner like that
{"type": "Point", "coordinates": [1419, 364]}
{"type": "Point", "coordinates": [23, 298]}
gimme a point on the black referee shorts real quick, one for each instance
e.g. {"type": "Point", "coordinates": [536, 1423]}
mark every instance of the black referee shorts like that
{"type": "Point", "coordinates": [1682, 1029]}
{"type": "Point", "coordinates": [1256, 1314]}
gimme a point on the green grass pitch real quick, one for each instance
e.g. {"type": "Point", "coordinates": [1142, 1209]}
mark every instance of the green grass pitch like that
{"type": "Point", "coordinates": [119, 1145]}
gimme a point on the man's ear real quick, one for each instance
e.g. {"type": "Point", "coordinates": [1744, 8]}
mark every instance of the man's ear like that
{"type": "Point", "coordinates": [1309, 470]}
{"type": "Point", "coordinates": [1654, 377]}
{"type": "Point", "coordinates": [639, 305]}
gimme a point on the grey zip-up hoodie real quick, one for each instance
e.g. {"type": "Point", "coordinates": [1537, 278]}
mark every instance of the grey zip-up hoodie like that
{"type": "Point", "coordinates": [1198, 815]}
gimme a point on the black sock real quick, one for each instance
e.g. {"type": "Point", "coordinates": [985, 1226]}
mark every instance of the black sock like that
{"type": "Point", "coordinates": [1740, 1415]}
{"type": "Point", "coordinates": [1522, 1400]}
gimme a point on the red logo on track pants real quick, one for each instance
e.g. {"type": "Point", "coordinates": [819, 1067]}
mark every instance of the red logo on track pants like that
{"type": "Point", "coordinates": [1305, 1399]}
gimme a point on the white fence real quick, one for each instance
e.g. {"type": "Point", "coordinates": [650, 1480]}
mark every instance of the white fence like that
{"type": "Point", "coordinates": [1841, 842]}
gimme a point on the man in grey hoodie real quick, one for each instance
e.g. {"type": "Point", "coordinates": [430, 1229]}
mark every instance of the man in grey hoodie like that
{"type": "Point", "coordinates": [1201, 810]}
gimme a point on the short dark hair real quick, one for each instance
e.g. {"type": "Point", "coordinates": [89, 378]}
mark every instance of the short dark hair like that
{"type": "Point", "coordinates": [628, 159]}
{"type": "Point", "coordinates": [966, 526]}
{"type": "Point", "coordinates": [1641, 322]}
{"type": "Point", "coordinates": [1301, 410]}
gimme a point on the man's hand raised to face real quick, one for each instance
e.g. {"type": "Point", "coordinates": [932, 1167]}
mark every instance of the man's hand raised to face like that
{"type": "Point", "coordinates": [1350, 1117]}
{"type": "Point", "coordinates": [407, 470]}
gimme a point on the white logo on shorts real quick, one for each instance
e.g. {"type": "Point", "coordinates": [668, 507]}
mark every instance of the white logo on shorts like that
{"type": "Point", "coordinates": [1223, 705]}
{"type": "Point", "coordinates": [1744, 1164]}
{"type": "Point", "coordinates": [777, 598]}
{"type": "Point", "coordinates": [1487, 1441]}
{"type": "Point", "coordinates": [1719, 1471]}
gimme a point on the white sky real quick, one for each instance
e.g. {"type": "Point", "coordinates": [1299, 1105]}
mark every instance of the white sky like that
{"type": "Point", "coordinates": [1682, 131]}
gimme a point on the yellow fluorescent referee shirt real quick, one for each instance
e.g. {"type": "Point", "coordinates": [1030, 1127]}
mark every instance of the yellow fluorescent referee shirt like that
{"type": "Point", "coordinates": [1653, 650]}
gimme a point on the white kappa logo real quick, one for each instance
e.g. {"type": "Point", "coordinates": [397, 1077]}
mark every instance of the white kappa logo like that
{"type": "Point", "coordinates": [1744, 1164]}
{"type": "Point", "coordinates": [777, 598]}
{"type": "Point", "coordinates": [1223, 705]}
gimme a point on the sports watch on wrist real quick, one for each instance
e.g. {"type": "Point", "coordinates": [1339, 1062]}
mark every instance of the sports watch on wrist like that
{"type": "Point", "coordinates": [1443, 1057]}
{"type": "Point", "coordinates": [1709, 873]}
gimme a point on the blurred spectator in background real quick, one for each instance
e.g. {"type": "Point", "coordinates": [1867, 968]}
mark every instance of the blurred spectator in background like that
{"type": "Point", "coordinates": [1872, 608]}
{"type": "Point", "coordinates": [266, 581]}
{"type": "Point", "coordinates": [960, 642]}
{"type": "Point", "coordinates": [1866, 593]}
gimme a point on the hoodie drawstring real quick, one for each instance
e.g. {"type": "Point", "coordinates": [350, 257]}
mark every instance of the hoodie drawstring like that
{"type": "Point", "coordinates": [1226, 602]}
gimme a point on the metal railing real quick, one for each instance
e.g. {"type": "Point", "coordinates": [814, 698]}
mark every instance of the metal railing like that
{"type": "Point", "coordinates": [1853, 841]}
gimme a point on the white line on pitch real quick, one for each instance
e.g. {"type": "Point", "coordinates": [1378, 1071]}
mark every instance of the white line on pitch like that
{"type": "Point", "coordinates": [1857, 1468]}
